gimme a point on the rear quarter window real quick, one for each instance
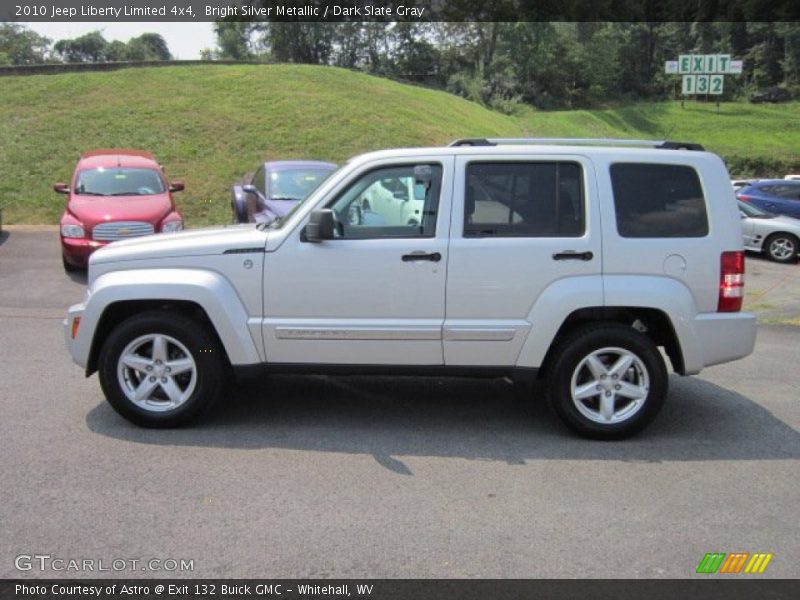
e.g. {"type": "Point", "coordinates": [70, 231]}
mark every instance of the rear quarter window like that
{"type": "Point", "coordinates": [658, 201]}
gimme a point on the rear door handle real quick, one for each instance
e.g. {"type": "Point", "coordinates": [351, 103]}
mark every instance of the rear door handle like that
{"type": "Point", "coordinates": [422, 255]}
{"type": "Point", "coordinates": [572, 255]}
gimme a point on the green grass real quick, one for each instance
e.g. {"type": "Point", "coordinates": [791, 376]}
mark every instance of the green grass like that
{"type": "Point", "coordinates": [209, 125]}
{"type": "Point", "coordinates": [755, 140]}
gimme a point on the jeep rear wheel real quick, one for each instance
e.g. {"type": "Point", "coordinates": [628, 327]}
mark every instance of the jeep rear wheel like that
{"type": "Point", "coordinates": [607, 381]}
{"type": "Point", "coordinates": [160, 369]}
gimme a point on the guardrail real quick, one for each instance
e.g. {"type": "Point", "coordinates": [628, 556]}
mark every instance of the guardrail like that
{"type": "Point", "coordinates": [52, 69]}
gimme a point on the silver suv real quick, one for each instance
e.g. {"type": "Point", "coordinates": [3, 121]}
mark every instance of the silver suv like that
{"type": "Point", "coordinates": [571, 261]}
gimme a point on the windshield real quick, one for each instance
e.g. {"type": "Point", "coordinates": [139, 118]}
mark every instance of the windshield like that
{"type": "Point", "coordinates": [295, 184]}
{"type": "Point", "coordinates": [305, 181]}
{"type": "Point", "coordinates": [752, 211]}
{"type": "Point", "coordinates": [118, 181]}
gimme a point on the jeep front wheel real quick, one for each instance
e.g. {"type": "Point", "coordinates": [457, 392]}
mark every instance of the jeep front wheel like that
{"type": "Point", "coordinates": [160, 369]}
{"type": "Point", "coordinates": [607, 381]}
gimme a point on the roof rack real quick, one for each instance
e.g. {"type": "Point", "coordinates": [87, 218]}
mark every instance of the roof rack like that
{"type": "Point", "coordinates": [662, 144]}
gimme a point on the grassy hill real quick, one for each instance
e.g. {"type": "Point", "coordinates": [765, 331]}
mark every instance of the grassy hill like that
{"type": "Point", "coordinates": [208, 125]}
{"type": "Point", "coordinates": [755, 140]}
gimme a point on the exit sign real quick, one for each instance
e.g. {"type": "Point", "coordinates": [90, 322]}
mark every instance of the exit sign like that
{"type": "Point", "coordinates": [703, 73]}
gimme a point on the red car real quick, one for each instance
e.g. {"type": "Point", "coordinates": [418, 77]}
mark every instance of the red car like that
{"type": "Point", "coordinates": [114, 195]}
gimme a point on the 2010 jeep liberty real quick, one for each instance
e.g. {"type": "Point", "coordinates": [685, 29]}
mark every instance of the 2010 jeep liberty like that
{"type": "Point", "coordinates": [573, 261]}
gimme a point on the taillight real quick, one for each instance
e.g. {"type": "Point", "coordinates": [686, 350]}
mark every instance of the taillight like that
{"type": "Point", "coordinates": [731, 281]}
{"type": "Point", "coordinates": [744, 198]}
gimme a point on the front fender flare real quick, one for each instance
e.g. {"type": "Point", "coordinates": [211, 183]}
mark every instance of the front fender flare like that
{"type": "Point", "coordinates": [209, 290]}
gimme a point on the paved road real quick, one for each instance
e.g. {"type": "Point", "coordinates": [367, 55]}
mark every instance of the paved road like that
{"type": "Point", "coordinates": [319, 477]}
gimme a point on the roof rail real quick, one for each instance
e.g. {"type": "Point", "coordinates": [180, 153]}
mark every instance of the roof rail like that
{"type": "Point", "coordinates": [663, 144]}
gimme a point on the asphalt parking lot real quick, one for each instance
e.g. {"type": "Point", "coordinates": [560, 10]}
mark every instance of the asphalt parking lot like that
{"type": "Point", "coordinates": [402, 477]}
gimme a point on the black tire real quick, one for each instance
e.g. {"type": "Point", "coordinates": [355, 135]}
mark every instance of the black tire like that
{"type": "Point", "coordinates": [781, 247]}
{"type": "Point", "coordinates": [207, 375]}
{"type": "Point", "coordinates": [69, 267]}
{"type": "Point", "coordinates": [649, 374]}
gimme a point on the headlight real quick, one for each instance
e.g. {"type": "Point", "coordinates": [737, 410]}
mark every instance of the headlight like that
{"type": "Point", "coordinates": [72, 231]}
{"type": "Point", "coordinates": [172, 226]}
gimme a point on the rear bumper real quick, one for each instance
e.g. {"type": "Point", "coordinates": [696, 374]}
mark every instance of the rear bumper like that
{"type": "Point", "coordinates": [722, 337]}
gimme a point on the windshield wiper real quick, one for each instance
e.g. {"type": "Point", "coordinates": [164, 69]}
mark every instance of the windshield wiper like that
{"type": "Point", "coordinates": [126, 194]}
{"type": "Point", "coordinates": [90, 194]}
{"type": "Point", "coordinates": [264, 225]}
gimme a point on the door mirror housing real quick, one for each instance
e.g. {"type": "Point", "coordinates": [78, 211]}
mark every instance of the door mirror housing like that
{"type": "Point", "coordinates": [61, 188]}
{"type": "Point", "coordinates": [251, 189]}
{"type": "Point", "coordinates": [321, 225]}
{"type": "Point", "coordinates": [176, 186]}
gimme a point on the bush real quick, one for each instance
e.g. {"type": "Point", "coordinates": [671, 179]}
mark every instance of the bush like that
{"type": "Point", "coordinates": [763, 167]}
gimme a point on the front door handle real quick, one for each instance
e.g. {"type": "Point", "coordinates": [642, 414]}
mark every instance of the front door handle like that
{"type": "Point", "coordinates": [422, 255]}
{"type": "Point", "coordinates": [572, 255]}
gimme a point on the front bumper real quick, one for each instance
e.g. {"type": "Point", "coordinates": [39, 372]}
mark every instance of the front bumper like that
{"type": "Point", "coordinates": [80, 345]}
{"type": "Point", "coordinates": [76, 251]}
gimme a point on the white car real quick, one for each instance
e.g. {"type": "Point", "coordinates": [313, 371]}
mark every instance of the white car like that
{"type": "Point", "coordinates": [570, 261]}
{"type": "Point", "coordinates": [776, 236]}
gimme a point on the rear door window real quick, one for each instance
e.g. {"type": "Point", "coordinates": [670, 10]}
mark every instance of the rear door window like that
{"type": "Point", "coordinates": [524, 199]}
{"type": "Point", "coordinates": [788, 192]}
{"type": "Point", "coordinates": [658, 201]}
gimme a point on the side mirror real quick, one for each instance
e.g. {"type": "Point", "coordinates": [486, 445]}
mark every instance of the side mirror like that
{"type": "Point", "coordinates": [251, 189]}
{"type": "Point", "coordinates": [176, 186]}
{"type": "Point", "coordinates": [423, 175]}
{"type": "Point", "coordinates": [61, 188]}
{"type": "Point", "coordinates": [321, 225]}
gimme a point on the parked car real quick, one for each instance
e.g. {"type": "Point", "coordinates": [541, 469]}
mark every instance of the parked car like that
{"type": "Point", "coordinates": [276, 188]}
{"type": "Point", "coordinates": [113, 195]}
{"type": "Point", "coordinates": [779, 196]}
{"type": "Point", "coordinates": [570, 262]}
{"type": "Point", "coordinates": [792, 177]}
{"type": "Point", "coordinates": [776, 236]}
{"type": "Point", "coordinates": [738, 184]}
{"type": "Point", "coordinates": [771, 94]}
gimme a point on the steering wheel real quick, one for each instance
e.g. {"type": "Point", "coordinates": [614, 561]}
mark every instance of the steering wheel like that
{"type": "Point", "coordinates": [145, 191]}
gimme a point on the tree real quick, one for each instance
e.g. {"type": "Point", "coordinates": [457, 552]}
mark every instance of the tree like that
{"type": "Point", "coordinates": [296, 42]}
{"type": "Point", "coordinates": [116, 51]}
{"type": "Point", "coordinates": [90, 47]}
{"type": "Point", "coordinates": [415, 58]}
{"type": "Point", "coordinates": [233, 39]}
{"type": "Point", "coordinates": [21, 46]}
{"type": "Point", "coordinates": [148, 46]}
{"type": "Point", "coordinates": [764, 55]}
